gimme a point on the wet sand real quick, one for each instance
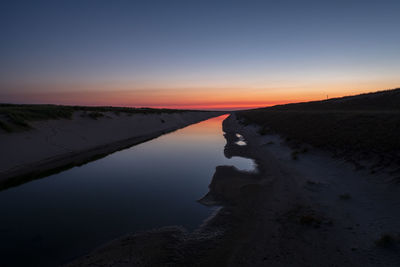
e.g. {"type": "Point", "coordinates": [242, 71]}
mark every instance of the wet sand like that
{"type": "Point", "coordinates": [311, 210]}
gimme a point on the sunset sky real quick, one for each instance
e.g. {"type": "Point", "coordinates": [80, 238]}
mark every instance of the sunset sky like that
{"type": "Point", "coordinates": [196, 54]}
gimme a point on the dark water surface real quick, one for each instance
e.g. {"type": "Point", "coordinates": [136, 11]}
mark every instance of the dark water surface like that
{"type": "Point", "coordinates": [51, 221]}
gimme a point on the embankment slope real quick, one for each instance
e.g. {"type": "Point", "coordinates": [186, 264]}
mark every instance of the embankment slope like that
{"type": "Point", "coordinates": [58, 143]}
{"type": "Point", "coordinates": [358, 128]}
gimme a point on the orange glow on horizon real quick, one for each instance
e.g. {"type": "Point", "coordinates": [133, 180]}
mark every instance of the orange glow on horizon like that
{"type": "Point", "coordinates": [191, 98]}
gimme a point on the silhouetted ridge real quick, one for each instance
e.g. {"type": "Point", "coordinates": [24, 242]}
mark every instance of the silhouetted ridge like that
{"type": "Point", "coordinates": [381, 100]}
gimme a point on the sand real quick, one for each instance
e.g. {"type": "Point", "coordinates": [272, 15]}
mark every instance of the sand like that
{"type": "Point", "coordinates": [55, 144]}
{"type": "Point", "coordinates": [308, 210]}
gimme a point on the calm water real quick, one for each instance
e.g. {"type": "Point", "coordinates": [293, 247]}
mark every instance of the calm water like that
{"type": "Point", "coordinates": [52, 220]}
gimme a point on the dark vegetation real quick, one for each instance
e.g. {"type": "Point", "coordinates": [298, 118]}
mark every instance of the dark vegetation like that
{"type": "Point", "coordinates": [95, 115]}
{"type": "Point", "coordinates": [310, 219]}
{"type": "Point", "coordinates": [386, 240]}
{"type": "Point", "coordinates": [345, 196]}
{"type": "Point", "coordinates": [310, 182]}
{"type": "Point", "coordinates": [17, 117]}
{"type": "Point", "coordinates": [357, 128]}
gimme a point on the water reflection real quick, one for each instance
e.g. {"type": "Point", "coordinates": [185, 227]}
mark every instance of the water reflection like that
{"type": "Point", "coordinates": [49, 221]}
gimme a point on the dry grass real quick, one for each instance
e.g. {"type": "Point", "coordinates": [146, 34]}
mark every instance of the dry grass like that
{"type": "Point", "coordinates": [358, 127]}
{"type": "Point", "coordinates": [17, 117]}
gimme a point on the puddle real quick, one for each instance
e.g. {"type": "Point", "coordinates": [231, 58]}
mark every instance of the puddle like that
{"type": "Point", "coordinates": [243, 164]}
{"type": "Point", "coordinates": [241, 141]}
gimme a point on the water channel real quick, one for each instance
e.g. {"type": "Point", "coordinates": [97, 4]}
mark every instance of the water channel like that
{"type": "Point", "coordinates": [52, 220]}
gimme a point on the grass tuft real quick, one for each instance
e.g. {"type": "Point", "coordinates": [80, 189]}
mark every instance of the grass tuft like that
{"type": "Point", "coordinates": [386, 241]}
{"type": "Point", "coordinates": [5, 127]}
{"type": "Point", "coordinates": [19, 120]}
{"type": "Point", "coordinates": [304, 150]}
{"type": "Point", "coordinates": [309, 220]}
{"type": "Point", "coordinates": [345, 196]}
{"type": "Point", "coordinates": [263, 130]}
{"type": "Point", "coordinates": [95, 115]}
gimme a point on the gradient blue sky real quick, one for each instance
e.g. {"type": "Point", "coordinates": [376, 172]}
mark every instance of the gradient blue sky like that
{"type": "Point", "coordinates": [196, 53]}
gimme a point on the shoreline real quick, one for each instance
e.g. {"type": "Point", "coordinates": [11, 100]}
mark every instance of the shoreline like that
{"type": "Point", "coordinates": [72, 157]}
{"type": "Point", "coordinates": [310, 211]}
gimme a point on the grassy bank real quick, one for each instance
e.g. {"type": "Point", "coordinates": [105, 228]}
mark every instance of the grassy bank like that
{"type": "Point", "coordinates": [17, 117]}
{"type": "Point", "coordinates": [359, 127]}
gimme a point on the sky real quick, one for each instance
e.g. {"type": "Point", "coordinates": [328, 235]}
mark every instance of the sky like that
{"type": "Point", "coordinates": [201, 54]}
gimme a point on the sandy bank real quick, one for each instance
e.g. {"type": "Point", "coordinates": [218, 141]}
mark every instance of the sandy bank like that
{"type": "Point", "coordinates": [308, 211]}
{"type": "Point", "coordinates": [55, 144]}
{"type": "Point", "coordinates": [363, 129]}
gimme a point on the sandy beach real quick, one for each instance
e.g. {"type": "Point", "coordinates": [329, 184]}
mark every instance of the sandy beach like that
{"type": "Point", "coordinates": [53, 145]}
{"type": "Point", "coordinates": [310, 211]}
